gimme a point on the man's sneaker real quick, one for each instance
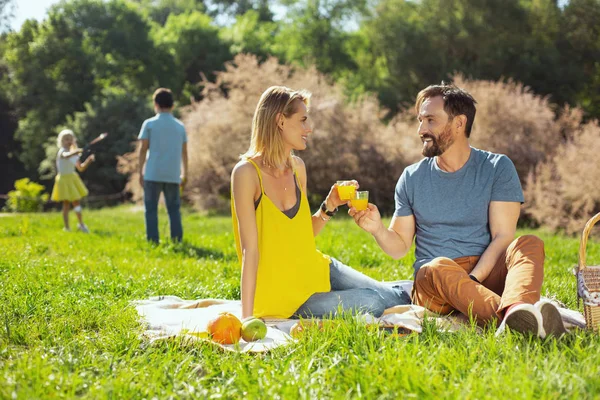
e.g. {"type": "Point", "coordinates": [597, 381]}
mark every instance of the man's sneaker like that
{"type": "Point", "coordinates": [552, 320]}
{"type": "Point", "coordinates": [83, 228]}
{"type": "Point", "coordinates": [524, 318]}
{"type": "Point", "coordinates": [67, 229]}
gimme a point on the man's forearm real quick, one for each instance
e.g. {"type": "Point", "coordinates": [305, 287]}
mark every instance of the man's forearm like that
{"type": "Point", "coordinates": [490, 256]}
{"type": "Point", "coordinates": [391, 243]}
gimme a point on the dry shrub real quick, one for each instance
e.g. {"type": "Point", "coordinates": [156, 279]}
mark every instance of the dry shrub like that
{"type": "Point", "coordinates": [510, 120]}
{"type": "Point", "coordinates": [127, 164]}
{"type": "Point", "coordinates": [351, 142]}
{"type": "Point", "coordinates": [563, 192]}
{"type": "Point", "coordinates": [346, 144]}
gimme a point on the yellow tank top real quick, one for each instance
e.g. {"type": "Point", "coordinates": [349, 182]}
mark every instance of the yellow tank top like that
{"type": "Point", "coordinates": [290, 268]}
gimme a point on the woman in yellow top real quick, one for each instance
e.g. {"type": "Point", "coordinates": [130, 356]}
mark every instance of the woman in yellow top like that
{"type": "Point", "coordinates": [283, 274]}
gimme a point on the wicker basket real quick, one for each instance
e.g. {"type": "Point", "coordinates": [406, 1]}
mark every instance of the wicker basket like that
{"type": "Point", "coordinates": [588, 281]}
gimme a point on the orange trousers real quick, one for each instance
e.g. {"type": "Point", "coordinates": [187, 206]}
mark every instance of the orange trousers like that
{"type": "Point", "coordinates": [443, 285]}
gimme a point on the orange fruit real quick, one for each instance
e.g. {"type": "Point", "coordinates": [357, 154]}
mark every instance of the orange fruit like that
{"type": "Point", "coordinates": [225, 329]}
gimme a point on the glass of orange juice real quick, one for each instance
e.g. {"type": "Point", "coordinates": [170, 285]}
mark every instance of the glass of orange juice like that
{"type": "Point", "coordinates": [346, 190]}
{"type": "Point", "coordinates": [360, 200]}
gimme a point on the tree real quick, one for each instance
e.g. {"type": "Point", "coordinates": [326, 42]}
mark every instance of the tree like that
{"type": "Point", "coordinates": [160, 10]}
{"type": "Point", "coordinates": [194, 44]}
{"type": "Point", "coordinates": [6, 14]}
{"type": "Point", "coordinates": [316, 34]}
{"type": "Point", "coordinates": [240, 7]}
{"type": "Point", "coordinates": [581, 48]}
{"type": "Point", "coordinates": [420, 43]}
{"type": "Point", "coordinates": [84, 46]}
{"type": "Point", "coordinates": [251, 35]}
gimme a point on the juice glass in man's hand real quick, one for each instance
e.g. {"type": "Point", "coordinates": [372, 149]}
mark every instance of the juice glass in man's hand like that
{"type": "Point", "coordinates": [361, 200]}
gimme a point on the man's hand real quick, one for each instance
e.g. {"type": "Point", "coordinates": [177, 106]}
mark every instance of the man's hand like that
{"type": "Point", "coordinates": [92, 158]}
{"type": "Point", "coordinates": [369, 220]}
{"type": "Point", "coordinates": [183, 180]}
{"type": "Point", "coordinates": [142, 180]}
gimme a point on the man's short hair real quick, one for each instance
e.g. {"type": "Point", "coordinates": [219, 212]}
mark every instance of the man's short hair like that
{"type": "Point", "coordinates": [457, 101]}
{"type": "Point", "coordinates": [163, 97]}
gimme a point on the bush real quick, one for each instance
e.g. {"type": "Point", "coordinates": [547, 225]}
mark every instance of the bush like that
{"type": "Point", "coordinates": [346, 144]}
{"type": "Point", "coordinates": [563, 192]}
{"type": "Point", "coordinates": [510, 120]}
{"type": "Point", "coordinates": [28, 196]}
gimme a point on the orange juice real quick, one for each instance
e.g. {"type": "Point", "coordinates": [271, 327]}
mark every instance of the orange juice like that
{"type": "Point", "coordinates": [360, 204]}
{"type": "Point", "coordinates": [346, 192]}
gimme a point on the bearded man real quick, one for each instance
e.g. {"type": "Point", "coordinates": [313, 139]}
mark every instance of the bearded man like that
{"type": "Point", "coordinates": [462, 205]}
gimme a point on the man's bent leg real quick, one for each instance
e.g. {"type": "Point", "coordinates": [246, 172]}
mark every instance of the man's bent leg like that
{"type": "Point", "coordinates": [151, 196]}
{"type": "Point", "coordinates": [173, 205]}
{"type": "Point", "coordinates": [443, 285]}
{"type": "Point", "coordinates": [525, 271]}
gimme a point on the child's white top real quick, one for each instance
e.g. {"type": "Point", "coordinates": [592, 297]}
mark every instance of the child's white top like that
{"type": "Point", "coordinates": [65, 165]}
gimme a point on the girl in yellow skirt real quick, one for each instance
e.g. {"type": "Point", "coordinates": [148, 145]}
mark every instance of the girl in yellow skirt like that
{"type": "Point", "coordinates": [68, 187]}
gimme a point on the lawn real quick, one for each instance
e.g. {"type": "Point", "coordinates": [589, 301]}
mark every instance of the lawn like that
{"type": "Point", "coordinates": [67, 328]}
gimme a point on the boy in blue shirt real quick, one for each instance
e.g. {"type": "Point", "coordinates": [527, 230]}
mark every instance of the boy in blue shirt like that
{"type": "Point", "coordinates": [163, 151]}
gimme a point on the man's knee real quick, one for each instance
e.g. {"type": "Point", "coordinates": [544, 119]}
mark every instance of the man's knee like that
{"type": "Point", "coordinates": [529, 245]}
{"type": "Point", "coordinates": [529, 240]}
{"type": "Point", "coordinates": [433, 268]}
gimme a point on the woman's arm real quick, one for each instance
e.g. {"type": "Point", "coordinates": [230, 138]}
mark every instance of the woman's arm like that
{"type": "Point", "coordinates": [82, 166]}
{"type": "Point", "coordinates": [244, 183]}
{"type": "Point", "coordinates": [332, 201]}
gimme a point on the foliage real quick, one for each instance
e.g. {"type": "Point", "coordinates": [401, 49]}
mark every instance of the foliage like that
{"type": "Point", "coordinates": [6, 13]}
{"type": "Point", "coordinates": [28, 196]}
{"type": "Point", "coordinates": [69, 328]}
{"type": "Point", "coordinates": [315, 35]}
{"type": "Point", "coordinates": [240, 7]}
{"type": "Point", "coordinates": [249, 35]}
{"type": "Point", "coordinates": [159, 10]}
{"type": "Point", "coordinates": [50, 70]}
{"type": "Point", "coordinates": [193, 42]}
{"type": "Point", "coordinates": [415, 44]}
{"type": "Point", "coordinates": [563, 191]}
{"type": "Point", "coordinates": [582, 50]}
{"type": "Point", "coordinates": [57, 66]}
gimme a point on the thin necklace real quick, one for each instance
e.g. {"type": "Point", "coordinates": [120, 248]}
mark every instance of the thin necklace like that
{"type": "Point", "coordinates": [276, 177]}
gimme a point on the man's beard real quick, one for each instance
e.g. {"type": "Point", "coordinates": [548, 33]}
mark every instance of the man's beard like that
{"type": "Point", "coordinates": [438, 144]}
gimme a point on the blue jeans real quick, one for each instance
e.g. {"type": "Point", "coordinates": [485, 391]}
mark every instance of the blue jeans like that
{"type": "Point", "coordinates": [152, 192]}
{"type": "Point", "coordinates": [352, 292]}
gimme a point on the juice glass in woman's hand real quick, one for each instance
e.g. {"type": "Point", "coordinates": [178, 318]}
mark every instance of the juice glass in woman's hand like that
{"type": "Point", "coordinates": [360, 201]}
{"type": "Point", "coordinates": [346, 190]}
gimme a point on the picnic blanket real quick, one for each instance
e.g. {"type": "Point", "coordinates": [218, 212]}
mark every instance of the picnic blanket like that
{"type": "Point", "coordinates": [170, 316]}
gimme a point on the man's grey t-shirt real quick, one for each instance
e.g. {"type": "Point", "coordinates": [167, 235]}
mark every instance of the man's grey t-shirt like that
{"type": "Point", "coordinates": [166, 136]}
{"type": "Point", "coordinates": [451, 208]}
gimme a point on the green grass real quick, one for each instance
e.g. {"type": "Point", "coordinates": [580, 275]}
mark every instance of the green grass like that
{"type": "Point", "coordinates": [67, 328]}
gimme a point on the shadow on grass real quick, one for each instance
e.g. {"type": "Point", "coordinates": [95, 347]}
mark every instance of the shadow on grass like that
{"type": "Point", "coordinates": [193, 251]}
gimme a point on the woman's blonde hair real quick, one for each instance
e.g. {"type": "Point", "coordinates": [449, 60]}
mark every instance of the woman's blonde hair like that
{"type": "Point", "coordinates": [266, 139]}
{"type": "Point", "coordinates": [61, 136]}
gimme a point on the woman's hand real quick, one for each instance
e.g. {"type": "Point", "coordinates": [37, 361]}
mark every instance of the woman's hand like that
{"type": "Point", "coordinates": [333, 200]}
{"type": "Point", "coordinates": [92, 157]}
